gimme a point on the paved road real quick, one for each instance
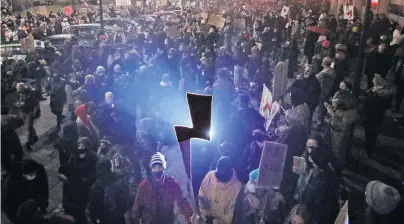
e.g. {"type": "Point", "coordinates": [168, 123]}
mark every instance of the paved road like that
{"type": "Point", "coordinates": [385, 166]}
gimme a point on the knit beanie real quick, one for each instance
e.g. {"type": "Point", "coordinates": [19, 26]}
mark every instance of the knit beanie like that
{"type": "Point", "coordinates": [254, 175]}
{"type": "Point", "coordinates": [382, 198]}
{"type": "Point", "coordinates": [158, 159]}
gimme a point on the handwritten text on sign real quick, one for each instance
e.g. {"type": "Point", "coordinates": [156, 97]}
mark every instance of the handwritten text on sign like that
{"type": "Point", "coordinates": [348, 12]}
{"type": "Point", "coordinates": [271, 165]}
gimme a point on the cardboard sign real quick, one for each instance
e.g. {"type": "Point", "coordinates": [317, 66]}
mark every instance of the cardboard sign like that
{"type": "Point", "coordinates": [239, 23]}
{"type": "Point", "coordinates": [123, 2]}
{"type": "Point", "coordinates": [173, 32]}
{"type": "Point", "coordinates": [275, 108]}
{"type": "Point", "coordinates": [266, 103]}
{"type": "Point", "coordinates": [299, 163]}
{"type": "Point", "coordinates": [348, 12]}
{"type": "Point", "coordinates": [285, 11]}
{"type": "Point", "coordinates": [27, 45]}
{"type": "Point", "coordinates": [271, 165]}
{"type": "Point", "coordinates": [203, 15]}
{"type": "Point", "coordinates": [216, 20]}
{"type": "Point", "coordinates": [39, 9]}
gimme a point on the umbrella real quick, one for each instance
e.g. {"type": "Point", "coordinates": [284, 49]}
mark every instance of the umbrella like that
{"type": "Point", "coordinates": [318, 29]}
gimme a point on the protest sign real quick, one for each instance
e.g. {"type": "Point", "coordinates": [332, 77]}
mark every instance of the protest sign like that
{"type": "Point", "coordinates": [271, 165]}
{"type": "Point", "coordinates": [39, 9]}
{"type": "Point", "coordinates": [239, 23]}
{"type": "Point", "coordinates": [348, 12]}
{"type": "Point", "coordinates": [203, 15]}
{"type": "Point", "coordinates": [139, 3]}
{"type": "Point", "coordinates": [299, 164]}
{"type": "Point", "coordinates": [275, 108]}
{"type": "Point", "coordinates": [27, 44]}
{"type": "Point", "coordinates": [266, 103]}
{"type": "Point", "coordinates": [216, 20]}
{"type": "Point", "coordinates": [285, 11]}
{"type": "Point", "coordinates": [173, 32]}
{"type": "Point", "coordinates": [123, 2]}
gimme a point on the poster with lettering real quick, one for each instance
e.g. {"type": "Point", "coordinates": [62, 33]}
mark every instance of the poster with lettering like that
{"type": "Point", "coordinates": [348, 12]}
{"type": "Point", "coordinates": [123, 2]}
{"type": "Point", "coordinates": [271, 165]}
{"type": "Point", "coordinates": [239, 23]}
{"type": "Point", "coordinates": [216, 20]}
{"type": "Point", "coordinates": [285, 11]}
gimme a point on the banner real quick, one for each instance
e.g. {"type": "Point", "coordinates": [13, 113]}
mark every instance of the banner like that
{"type": "Point", "coordinates": [271, 165]}
{"type": "Point", "coordinates": [275, 108]}
{"type": "Point", "coordinates": [239, 23]}
{"type": "Point", "coordinates": [216, 20]}
{"type": "Point", "coordinates": [348, 12]}
{"type": "Point", "coordinates": [173, 32]}
{"type": "Point", "coordinates": [123, 2]}
{"type": "Point", "coordinates": [266, 103]}
{"type": "Point", "coordinates": [285, 11]}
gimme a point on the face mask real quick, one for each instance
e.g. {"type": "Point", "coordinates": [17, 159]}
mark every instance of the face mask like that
{"type": "Point", "coordinates": [225, 176]}
{"type": "Point", "coordinates": [82, 155]}
{"type": "Point", "coordinates": [29, 176]}
{"type": "Point", "coordinates": [250, 187]}
{"type": "Point", "coordinates": [157, 175]}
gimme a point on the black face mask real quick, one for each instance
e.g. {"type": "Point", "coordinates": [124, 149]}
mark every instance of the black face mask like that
{"type": "Point", "coordinates": [224, 176]}
{"type": "Point", "coordinates": [157, 174]}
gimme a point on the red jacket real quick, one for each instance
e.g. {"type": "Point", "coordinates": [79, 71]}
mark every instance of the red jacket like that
{"type": "Point", "coordinates": [155, 204]}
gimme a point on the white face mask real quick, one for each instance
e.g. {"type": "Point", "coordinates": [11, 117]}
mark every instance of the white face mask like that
{"type": "Point", "coordinates": [29, 176]}
{"type": "Point", "coordinates": [250, 187]}
{"type": "Point", "coordinates": [82, 155]}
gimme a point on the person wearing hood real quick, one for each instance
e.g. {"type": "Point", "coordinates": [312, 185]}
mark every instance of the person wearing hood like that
{"type": "Point", "coordinates": [85, 126]}
{"type": "Point", "coordinates": [377, 101]}
{"type": "Point", "coordinates": [318, 184]}
{"type": "Point", "coordinates": [382, 204]}
{"type": "Point", "coordinates": [104, 178]}
{"type": "Point", "coordinates": [66, 144]}
{"type": "Point", "coordinates": [104, 117]}
{"type": "Point", "coordinates": [78, 176]}
{"type": "Point", "coordinates": [341, 66]}
{"type": "Point", "coordinates": [299, 105]}
{"type": "Point", "coordinates": [218, 193]}
{"type": "Point", "coordinates": [105, 150]}
{"type": "Point", "coordinates": [12, 150]}
{"type": "Point", "coordinates": [56, 89]}
{"type": "Point", "coordinates": [343, 117]}
{"type": "Point", "coordinates": [311, 87]}
{"type": "Point", "coordinates": [90, 90]}
{"type": "Point", "coordinates": [148, 207]}
{"type": "Point", "coordinates": [27, 180]}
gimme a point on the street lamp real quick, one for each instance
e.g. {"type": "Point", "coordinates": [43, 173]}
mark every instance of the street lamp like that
{"type": "Point", "coordinates": [361, 56]}
{"type": "Point", "coordinates": [101, 17]}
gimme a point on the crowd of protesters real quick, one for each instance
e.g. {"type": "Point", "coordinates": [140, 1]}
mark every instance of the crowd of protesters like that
{"type": "Point", "coordinates": [123, 104]}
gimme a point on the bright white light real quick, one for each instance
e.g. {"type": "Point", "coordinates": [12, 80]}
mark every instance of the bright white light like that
{"type": "Point", "coordinates": [211, 133]}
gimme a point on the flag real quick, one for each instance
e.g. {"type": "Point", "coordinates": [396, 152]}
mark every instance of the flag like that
{"type": "Point", "coordinates": [266, 103]}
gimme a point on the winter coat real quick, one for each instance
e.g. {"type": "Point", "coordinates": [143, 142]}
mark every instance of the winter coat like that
{"type": "Point", "coordinates": [66, 145]}
{"type": "Point", "coordinates": [27, 100]}
{"type": "Point", "coordinates": [326, 79]}
{"type": "Point", "coordinates": [85, 126]}
{"type": "Point", "coordinates": [10, 142]}
{"type": "Point", "coordinates": [16, 189]}
{"type": "Point", "coordinates": [376, 104]}
{"type": "Point", "coordinates": [378, 63]}
{"type": "Point", "coordinates": [320, 195]}
{"type": "Point", "coordinates": [80, 175]}
{"type": "Point", "coordinates": [303, 111]}
{"type": "Point", "coordinates": [251, 160]}
{"type": "Point", "coordinates": [218, 200]}
{"type": "Point", "coordinates": [56, 89]}
{"type": "Point", "coordinates": [155, 204]}
{"type": "Point", "coordinates": [310, 88]}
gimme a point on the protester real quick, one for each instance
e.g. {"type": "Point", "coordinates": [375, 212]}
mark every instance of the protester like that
{"type": "Point", "coordinates": [155, 189]}
{"type": "Point", "coordinates": [27, 180]}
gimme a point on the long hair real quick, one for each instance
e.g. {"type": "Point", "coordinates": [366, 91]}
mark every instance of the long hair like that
{"type": "Point", "coordinates": [301, 211]}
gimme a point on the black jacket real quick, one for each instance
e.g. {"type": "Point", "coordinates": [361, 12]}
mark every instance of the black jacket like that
{"type": "Point", "coordinates": [27, 100]}
{"type": "Point", "coordinates": [16, 189]}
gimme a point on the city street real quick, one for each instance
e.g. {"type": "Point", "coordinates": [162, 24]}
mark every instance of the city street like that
{"type": "Point", "coordinates": [386, 164]}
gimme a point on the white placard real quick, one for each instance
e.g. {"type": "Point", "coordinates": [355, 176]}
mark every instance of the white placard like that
{"type": "Point", "coordinates": [285, 11]}
{"type": "Point", "coordinates": [271, 165]}
{"type": "Point", "coordinates": [348, 12]}
{"type": "Point", "coordinates": [123, 2]}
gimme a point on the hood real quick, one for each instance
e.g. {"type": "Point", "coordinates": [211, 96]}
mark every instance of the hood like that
{"type": "Point", "coordinates": [81, 112]}
{"type": "Point", "coordinates": [99, 69]}
{"type": "Point", "coordinates": [85, 140]}
{"type": "Point", "coordinates": [24, 167]}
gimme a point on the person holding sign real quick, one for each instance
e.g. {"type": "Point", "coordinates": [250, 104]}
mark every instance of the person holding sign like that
{"type": "Point", "coordinates": [318, 184]}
